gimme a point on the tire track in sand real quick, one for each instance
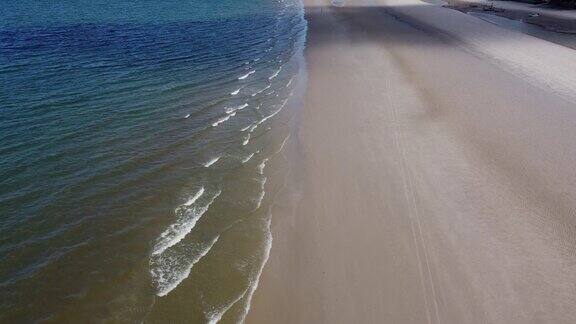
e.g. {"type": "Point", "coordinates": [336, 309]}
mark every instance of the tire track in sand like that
{"type": "Point", "coordinates": [413, 212]}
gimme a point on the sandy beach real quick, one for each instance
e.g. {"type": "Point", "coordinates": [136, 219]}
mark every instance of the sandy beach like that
{"type": "Point", "coordinates": [434, 174]}
{"type": "Point", "coordinates": [546, 16]}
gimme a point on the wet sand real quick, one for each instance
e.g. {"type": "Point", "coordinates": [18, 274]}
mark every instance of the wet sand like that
{"type": "Point", "coordinates": [432, 182]}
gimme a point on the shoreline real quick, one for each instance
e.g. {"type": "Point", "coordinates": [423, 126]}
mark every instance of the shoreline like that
{"type": "Point", "coordinates": [418, 194]}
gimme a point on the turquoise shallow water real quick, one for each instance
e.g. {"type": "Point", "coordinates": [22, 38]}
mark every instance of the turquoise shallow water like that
{"type": "Point", "coordinates": [134, 137]}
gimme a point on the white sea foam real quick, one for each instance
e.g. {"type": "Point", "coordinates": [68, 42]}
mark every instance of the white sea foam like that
{"type": "Point", "coordinates": [272, 114]}
{"type": "Point", "coordinates": [195, 197]}
{"type": "Point", "coordinates": [256, 280]}
{"type": "Point", "coordinates": [249, 128]}
{"type": "Point", "coordinates": [262, 165]}
{"type": "Point", "coordinates": [214, 316]}
{"type": "Point", "coordinates": [275, 74]}
{"type": "Point", "coordinates": [212, 161]}
{"type": "Point", "coordinates": [233, 93]}
{"type": "Point", "coordinates": [246, 140]}
{"type": "Point", "coordinates": [247, 158]}
{"type": "Point", "coordinates": [247, 75]}
{"type": "Point", "coordinates": [187, 218]}
{"type": "Point", "coordinates": [289, 82]}
{"type": "Point", "coordinates": [231, 110]}
{"type": "Point", "coordinates": [269, 116]}
{"type": "Point", "coordinates": [262, 193]}
{"type": "Point", "coordinates": [262, 90]}
{"type": "Point", "coordinates": [168, 278]}
{"type": "Point", "coordinates": [220, 120]}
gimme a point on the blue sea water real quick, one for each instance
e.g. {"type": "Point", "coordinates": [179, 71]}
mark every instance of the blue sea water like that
{"type": "Point", "coordinates": [134, 137]}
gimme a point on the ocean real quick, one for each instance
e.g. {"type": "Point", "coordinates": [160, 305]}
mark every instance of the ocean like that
{"type": "Point", "coordinates": [135, 141]}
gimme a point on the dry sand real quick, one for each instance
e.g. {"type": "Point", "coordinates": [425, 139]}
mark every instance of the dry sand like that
{"type": "Point", "coordinates": [435, 184]}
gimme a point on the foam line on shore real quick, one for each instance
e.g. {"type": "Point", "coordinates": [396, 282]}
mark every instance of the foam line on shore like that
{"type": "Point", "coordinates": [262, 165]}
{"type": "Point", "coordinates": [269, 116]}
{"type": "Point", "coordinates": [188, 216]}
{"type": "Point", "coordinates": [262, 193]}
{"type": "Point", "coordinates": [246, 75]}
{"type": "Point", "coordinates": [275, 74]}
{"type": "Point", "coordinates": [231, 110]}
{"type": "Point", "coordinates": [215, 316]}
{"type": "Point", "coordinates": [211, 161]}
{"type": "Point", "coordinates": [256, 280]}
{"type": "Point", "coordinates": [247, 158]}
{"type": "Point", "coordinates": [220, 120]}
{"type": "Point", "coordinates": [194, 197]}
{"type": "Point", "coordinates": [261, 90]}
{"type": "Point", "coordinates": [168, 283]}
